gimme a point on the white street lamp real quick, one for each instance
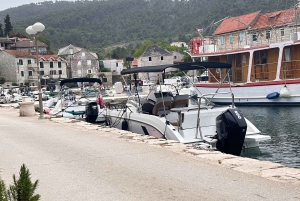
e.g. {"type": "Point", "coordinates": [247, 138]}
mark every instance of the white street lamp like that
{"type": "Point", "coordinates": [34, 30]}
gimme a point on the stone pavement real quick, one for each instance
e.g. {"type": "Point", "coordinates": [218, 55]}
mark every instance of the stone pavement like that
{"type": "Point", "coordinates": [265, 169]}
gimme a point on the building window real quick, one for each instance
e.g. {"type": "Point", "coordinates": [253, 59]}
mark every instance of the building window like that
{"type": "Point", "coordinates": [287, 54]}
{"type": "Point", "coordinates": [22, 73]}
{"type": "Point", "coordinates": [254, 37]}
{"type": "Point", "coordinates": [268, 34]}
{"type": "Point", "coordinates": [51, 64]}
{"type": "Point", "coordinates": [52, 72]}
{"type": "Point", "coordinates": [117, 64]}
{"type": "Point", "coordinates": [89, 71]}
{"type": "Point", "coordinates": [150, 59]}
{"type": "Point", "coordinates": [162, 58]}
{"type": "Point", "coordinates": [41, 64]}
{"type": "Point", "coordinates": [59, 64]}
{"type": "Point", "coordinates": [263, 55]}
{"type": "Point", "coordinates": [20, 61]}
{"type": "Point", "coordinates": [238, 60]}
{"type": "Point", "coordinates": [60, 72]}
{"type": "Point", "coordinates": [42, 72]}
{"type": "Point", "coordinates": [30, 73]}
{"type": "Point", "coordinates": [104, 79]}
{"type": "Point", "coordinates": [175, 57]}
{"type": "Point", "coordinates": [282, 32]}
{"type": "Point", "coordinates": [240, 36]}
{"type": "Point", "coordinates": [89, 62]}
{"type": "Point", "coordinates": [221, 40]}
{"type": "Point", "coordinates": [230, 38]}
{"type": "Point", "coordinates": [260, 57]}
{"type": "Point", "coordinates": [29, 61]}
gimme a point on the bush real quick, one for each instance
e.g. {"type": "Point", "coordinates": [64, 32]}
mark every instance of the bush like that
{"type": "Point", "coordinates": [14, 84]}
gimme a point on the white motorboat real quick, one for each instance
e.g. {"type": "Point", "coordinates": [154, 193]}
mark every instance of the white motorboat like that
{"type": "Point", "coordinates": [164, 115]}
{"type": "Point", "coordinates": [68, 105]}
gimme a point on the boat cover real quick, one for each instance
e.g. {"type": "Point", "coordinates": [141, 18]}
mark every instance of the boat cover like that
{"type": "Point", "coordinates": [180, 66]}
{"type": "Point", "coordinates": [80, 79]}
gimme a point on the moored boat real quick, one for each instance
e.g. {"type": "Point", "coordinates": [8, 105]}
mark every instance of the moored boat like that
{"type": "Point", "coordinates": [165, 115]}
{"type": "Point", "coordinates": [264, 52]}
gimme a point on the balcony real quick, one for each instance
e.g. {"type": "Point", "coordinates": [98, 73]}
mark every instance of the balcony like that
{"type": "Point", "coordinates": [33, 77]}
{"type": "Point", "coordinates": [32, 65]}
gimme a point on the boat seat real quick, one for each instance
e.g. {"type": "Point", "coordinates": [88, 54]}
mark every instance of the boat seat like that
{"type": "Point", "coordinates": [180, 101]}
{"type": "Point", "coordinates": [162, 106]}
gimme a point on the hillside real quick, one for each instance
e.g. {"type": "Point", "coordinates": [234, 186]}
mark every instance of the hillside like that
{"type": "Point", "coordinates": [99, 24]}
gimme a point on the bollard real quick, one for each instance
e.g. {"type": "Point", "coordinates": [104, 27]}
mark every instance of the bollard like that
{"type": "Point", "coordinates": [27, 107]}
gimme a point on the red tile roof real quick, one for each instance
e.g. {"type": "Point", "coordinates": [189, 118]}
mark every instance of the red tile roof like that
{"type": "Point", "coordinates": [18, 53]}
{"type": "Point", "coordinates": [275, 18]}
{"type": "Point", "coordinates": [29, 43]}
{"type": "Point", "coordinates": [236, 23]}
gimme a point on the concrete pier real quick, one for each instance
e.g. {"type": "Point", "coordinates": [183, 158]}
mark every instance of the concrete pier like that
{"type": "Point", "coordinates": [75, 160]}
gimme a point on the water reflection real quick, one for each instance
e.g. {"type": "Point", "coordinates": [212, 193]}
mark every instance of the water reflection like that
{"type": "Point", "coordinates": [281, 123]}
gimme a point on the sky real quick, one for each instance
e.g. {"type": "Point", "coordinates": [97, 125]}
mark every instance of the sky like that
{"type": "Point", "coordinates": [5, 4]}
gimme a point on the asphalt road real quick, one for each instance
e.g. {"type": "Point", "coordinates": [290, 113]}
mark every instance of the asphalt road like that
{"type": "Point", "coordinates": [76, 164]}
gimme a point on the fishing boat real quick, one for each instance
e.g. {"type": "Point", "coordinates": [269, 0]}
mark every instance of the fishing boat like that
{"type": "Point", "coordinates": [264, 52]}
{"type": "Point", "coordinates": [165, 115]}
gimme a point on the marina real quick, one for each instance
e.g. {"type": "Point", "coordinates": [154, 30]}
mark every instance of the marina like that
{"type": "Point", "coordinates": [282, 124]}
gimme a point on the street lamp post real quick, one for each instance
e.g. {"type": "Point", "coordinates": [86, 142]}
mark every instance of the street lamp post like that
{"type": "Point", "coordinates": [34, 30]}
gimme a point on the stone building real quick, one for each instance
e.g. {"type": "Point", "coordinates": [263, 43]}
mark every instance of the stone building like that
{"type": "Point", "coordinates": [80, 62]}
{"type": "Point", "coordinates": [154, 56]}
{"type": "Point", "coordinates": [28, 45]}
{"type": "Point", "coordinates": [20, 67]}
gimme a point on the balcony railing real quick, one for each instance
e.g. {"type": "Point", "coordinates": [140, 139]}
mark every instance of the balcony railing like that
{"type": "Point", "coordinates": [32, 65]}
{"type": "Point", "coordinates": [32, 77]}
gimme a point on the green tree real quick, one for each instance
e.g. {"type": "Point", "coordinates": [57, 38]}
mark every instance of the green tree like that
{"type": "Point", "coordinates": [3, 195]}
{"type": "Point", "coordinates": [47, 42]}
{"type": "Point", "coordinates": [105, 70]}
{"type": "Point", "coordinates": [22, 188]}
{"type": "Point", "coordinates": [2, 80]}
{"type": "Point", "coordinates": [1, 30]}
{"type": "Point", "coordinates": [7, 25]}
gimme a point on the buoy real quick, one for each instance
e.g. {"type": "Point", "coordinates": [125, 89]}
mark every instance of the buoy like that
{"type": "Point", "coordinates": [285, 92]}
{"type": "Point", "coordinates": [273, 95]}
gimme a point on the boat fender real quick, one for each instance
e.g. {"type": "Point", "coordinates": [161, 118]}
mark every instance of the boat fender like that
{"type": "Point", "coordinates": [285, 92]}
{"type": "Point", "coordinates": [273, 95]}
{"type": "Point", "coordinates": [125, 125]}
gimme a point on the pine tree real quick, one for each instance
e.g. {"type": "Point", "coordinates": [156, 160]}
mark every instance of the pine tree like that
{"type": "Point", "coordinates": [22, 188]}
{"type": "Point", "coordinates": [1, 30]}
{"type": "Point", "coordinates": [3, 196]}
{"type": "Point", "coordinates": [8, 27]}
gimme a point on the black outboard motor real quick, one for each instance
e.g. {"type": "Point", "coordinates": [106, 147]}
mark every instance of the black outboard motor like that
{"type": "Point", "coordinates": [91, 112]}
{"type": "Point", "coordinates": [231, 131]}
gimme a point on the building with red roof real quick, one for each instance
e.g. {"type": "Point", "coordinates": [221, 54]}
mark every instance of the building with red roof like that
{"type": "Point", "coordinates": [20, 67]}
{"type": "Point", "coordinates": [250, 30]}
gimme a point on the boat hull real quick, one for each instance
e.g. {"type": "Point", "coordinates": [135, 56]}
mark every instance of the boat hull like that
{"type": "Point", "coordinates": [253, 93]}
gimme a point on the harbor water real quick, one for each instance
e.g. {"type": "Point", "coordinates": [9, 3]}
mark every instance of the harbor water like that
{"type": "Point", "coordinates": [282, 124]}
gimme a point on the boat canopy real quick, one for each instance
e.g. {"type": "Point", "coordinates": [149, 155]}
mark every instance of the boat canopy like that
{"type": "Point", "coordinates": [80, 79]}
{"type": "Point", "coordinates": [180, 66]}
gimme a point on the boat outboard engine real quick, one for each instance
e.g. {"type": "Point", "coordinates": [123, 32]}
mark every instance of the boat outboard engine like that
{"type": "Point", "coordinates": [91, 112]}
{"type": "Point", "coordinates": [231, 130]}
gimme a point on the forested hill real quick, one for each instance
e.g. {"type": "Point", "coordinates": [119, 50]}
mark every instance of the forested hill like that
{"type": "Point", "coordinates": [97, 24]}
